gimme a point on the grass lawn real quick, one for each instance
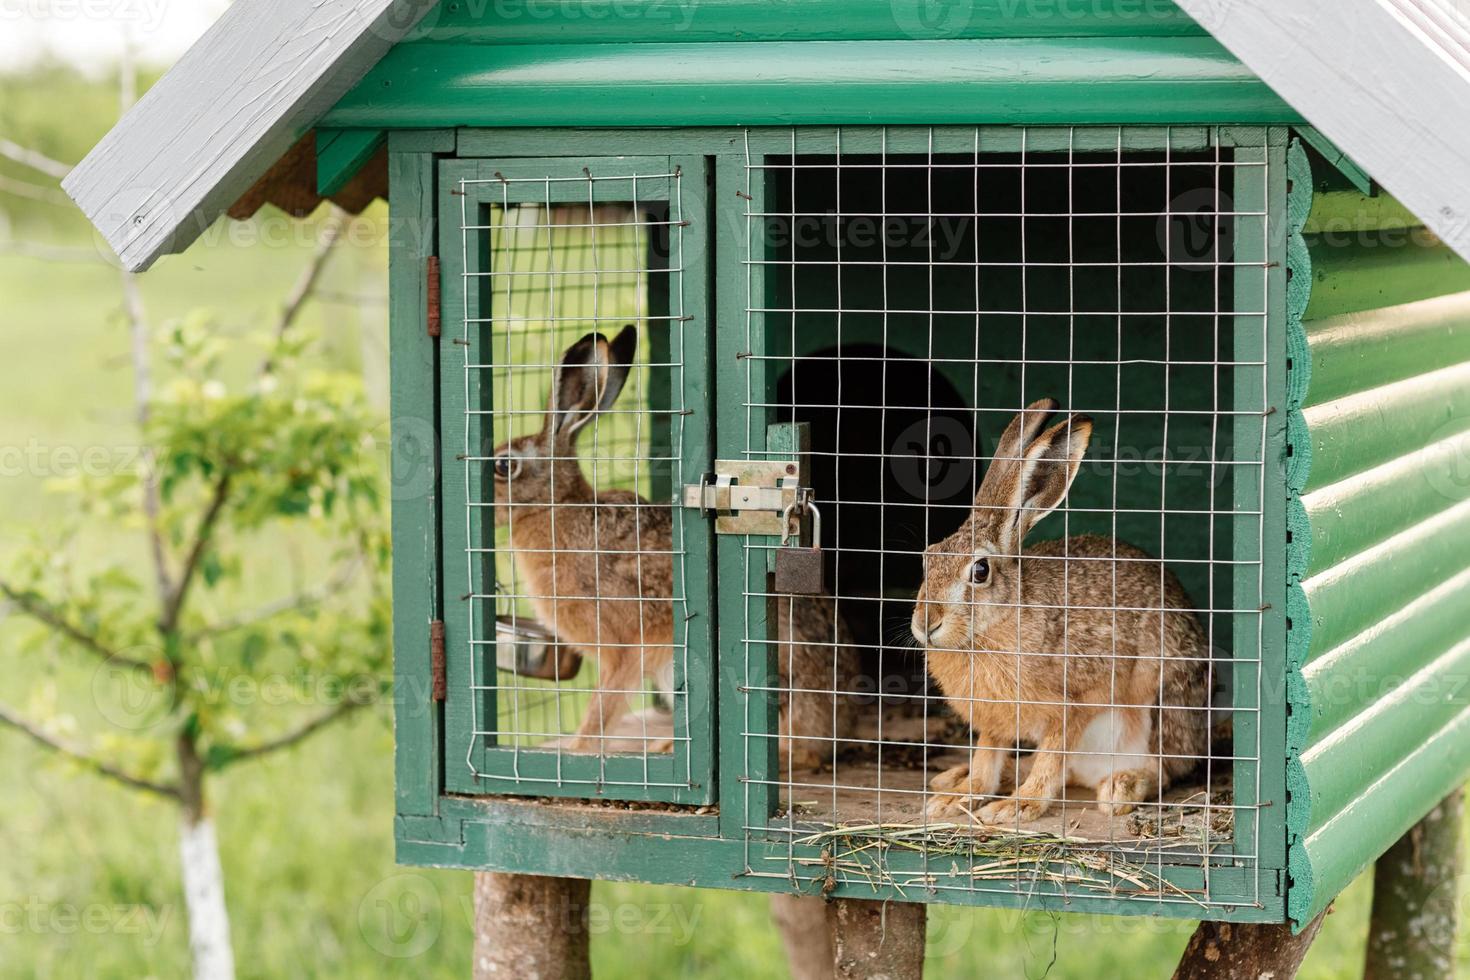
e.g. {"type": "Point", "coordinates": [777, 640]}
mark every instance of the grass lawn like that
{"type": "Point", "coordinates": [89, 880]}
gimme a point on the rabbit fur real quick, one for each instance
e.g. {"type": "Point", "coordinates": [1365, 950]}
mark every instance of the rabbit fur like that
{"type": "Point", "coordinates": [1085, 648]}
{"type": "Point", "coordinates": [598, 564]}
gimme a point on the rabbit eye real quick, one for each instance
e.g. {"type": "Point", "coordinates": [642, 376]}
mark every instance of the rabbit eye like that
{"type": "Point", "coordinates": [507, 466]}
{"type": "Point", "coordinates": [979, 571]}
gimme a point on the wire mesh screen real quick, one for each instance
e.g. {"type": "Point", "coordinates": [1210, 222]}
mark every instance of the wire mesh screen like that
{"type": "Point", "coordinates": [1031, 369]}
{"type": "Point", "coordinates": [573, 386]}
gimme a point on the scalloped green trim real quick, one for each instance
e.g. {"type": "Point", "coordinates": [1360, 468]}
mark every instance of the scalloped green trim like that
{"type": "Point", "coordinates": [1298, 550]}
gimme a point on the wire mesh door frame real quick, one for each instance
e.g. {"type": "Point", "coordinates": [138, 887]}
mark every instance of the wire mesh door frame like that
{"type": "Point", "coordinates": [478, 198]}
{"type": "Point", "coordinates": [1243, 872]}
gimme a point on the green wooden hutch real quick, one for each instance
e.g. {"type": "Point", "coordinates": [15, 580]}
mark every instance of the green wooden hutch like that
{"type": "Point", "coordinates": [859, 236]}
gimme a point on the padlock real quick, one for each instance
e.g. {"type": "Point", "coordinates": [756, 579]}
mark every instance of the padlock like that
{"type": "Point", "coordinates": [799, 571]}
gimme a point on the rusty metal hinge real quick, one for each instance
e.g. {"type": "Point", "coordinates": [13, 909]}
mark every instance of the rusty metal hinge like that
{"type": "Point", "coordinates": [436, 659]}
{"type": "Point", "coordinates": [432, 273]}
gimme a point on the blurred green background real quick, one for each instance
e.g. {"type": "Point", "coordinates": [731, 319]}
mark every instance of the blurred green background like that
{"type": "Point", "coordinates": [89, 880]}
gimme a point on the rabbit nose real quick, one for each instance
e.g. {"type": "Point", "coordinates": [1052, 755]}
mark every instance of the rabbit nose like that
{"type": "Point", "coordinates": [920, 625]}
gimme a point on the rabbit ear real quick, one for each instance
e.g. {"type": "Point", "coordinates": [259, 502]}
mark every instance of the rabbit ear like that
{"type": "Point", "coordinates": [1010, 450]}
{"type": "Point", "coordinates": [577, 385]}
{"type": "Point", "coordinates": [1051, 464]}
{"type": "Point", "coordinates": [621, 351]}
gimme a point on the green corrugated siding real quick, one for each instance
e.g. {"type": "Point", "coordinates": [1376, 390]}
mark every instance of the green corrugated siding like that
{"type": "Point", "coordinates": [1380, 598]}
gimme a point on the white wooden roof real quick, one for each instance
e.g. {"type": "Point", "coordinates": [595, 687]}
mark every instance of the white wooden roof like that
{"type": "Point", "coordinates": [233, 105]}
{"type": "Point", "coordinates": [1388, 81]}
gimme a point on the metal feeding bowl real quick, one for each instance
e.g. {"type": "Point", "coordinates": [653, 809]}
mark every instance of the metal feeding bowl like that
{"type": "Point", "coordinates": [526, 648]}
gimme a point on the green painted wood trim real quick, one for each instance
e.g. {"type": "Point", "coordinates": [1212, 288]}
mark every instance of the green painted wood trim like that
{"type": "Point", "coordinates": [695, 432]}
{"type": "Point", "coordinates": [661, 854]}
{"type": "Point", "coordinates": [413, 438]}
{"type": "Point", "coordinates": [1061, 81]}
{"type": "Point", "coordinates": [1343, 847]}
{"type": "Point", "coordinates": [1358, 351]}
{"type": "Point", "coordinates": [462, 753]}
{"type": "Point", "coordinates": [1361, 431]}
{"type": "Point", "coordinates": [1297, 466]}
{"type": "Point", "coordinates": [1355, 174]}
{"type": "Point", "coordinates": [1353, 515]}
{"type": "Point", "coordinates": [341, 153]}
{"type": "Point", "coordinates": [1260, 544]}
{"type": "Point", "coordinates": [1370, 270]}
{"type": "Point", "coordinates": [422, 141]}
{"type": "Point", "coordinates": [865, 138]}
{"type": "Point", "coordinates": [536, 22]}
{"type": "Point", "coordinates": [1344, 212]}
{"type": "Point", "coordinates": [571, 816]}
{"type": "Point", "coordinates": [746, 796]}
{"type": "Point", "coordinates": [1349, 597]}
{"type": "Point", "coordinates": [1370, 664]}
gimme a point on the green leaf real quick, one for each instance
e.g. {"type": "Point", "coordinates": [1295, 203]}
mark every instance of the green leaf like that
{"type": "Point", "coordinates": [211, 568]}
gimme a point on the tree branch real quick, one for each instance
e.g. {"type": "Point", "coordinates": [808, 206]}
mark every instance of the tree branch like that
{"type": "Point", "coordinates": [34, 192]}
{"type": "Point", "coordinates": [138, 331]}
{"type": "Point", "coordinates": [35, 734]}
{"type": "Point", "coordinates": [50, 253]}
{"type": "Point", "coordinates": [234, 754]}
{"type": "Point", "coordinates": [305, 285]}
{"type": "Point", "coordinates": [43, 612]}
{"type": "Point", "coordinates": [306, 599]}
{"type": "Point", "coordinates": [27, 157]}
{"type": "Point", "coordinates": [142, 411]}
{"type": "Point", "coordinates": [169, 621]}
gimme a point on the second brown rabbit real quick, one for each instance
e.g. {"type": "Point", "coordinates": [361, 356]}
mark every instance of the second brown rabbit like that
{"type": "Point", "coordinates": [597, 568]}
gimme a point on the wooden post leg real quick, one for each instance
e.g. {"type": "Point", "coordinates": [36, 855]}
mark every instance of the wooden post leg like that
{"type": "Point", "coordinates": [1411, 932]}
{"type": "Point", "coordinates": [877, 940]}
{"type": "Point", "coordinates": [531, 927]}
{"type": "Point", "coordinates": [806, 934]}
{"type": "Point", "coordinates": [1236, 951]}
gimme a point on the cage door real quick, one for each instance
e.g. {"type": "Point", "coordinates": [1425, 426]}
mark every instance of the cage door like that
{"type": "Point", "coordinates": [573, 399]}
{"type": "Point", "coordinates": [1031, 401]}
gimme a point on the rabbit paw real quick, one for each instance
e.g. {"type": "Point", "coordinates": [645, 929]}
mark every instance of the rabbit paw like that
{"type": "Point", "coordinates": [799, 760]}
{"type": "Point", "coordinates": [959, 793]}
{"type": "Point", "coordinates": [948, 806]}
{"type": "Point", "coordinates": [1117, 793]}
{"type": "Point", "coordinates": [950, 779]}
{"type": "Point", "coordinates": [1011, 810]}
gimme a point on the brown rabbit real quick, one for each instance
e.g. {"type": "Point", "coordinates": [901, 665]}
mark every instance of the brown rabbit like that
{"type": "Point", "coordinates": [1068, 646]}
{"type": "Point", "coordinates": [598, 565]}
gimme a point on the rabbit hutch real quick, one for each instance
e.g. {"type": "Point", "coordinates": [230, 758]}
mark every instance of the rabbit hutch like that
{"type": "Point", "coordinates": [998, 454]}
